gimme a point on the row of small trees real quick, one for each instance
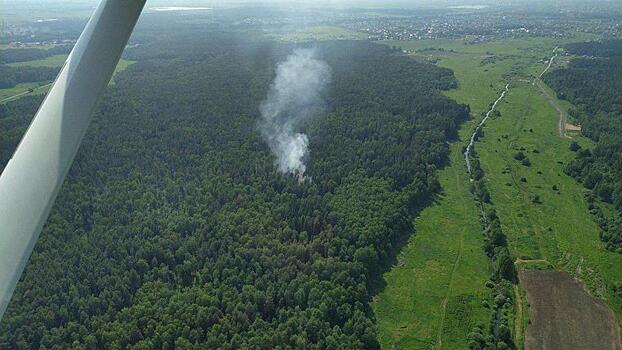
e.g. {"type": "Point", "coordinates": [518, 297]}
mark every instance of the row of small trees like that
{"type": "Point", "coordinates": [497, 335]}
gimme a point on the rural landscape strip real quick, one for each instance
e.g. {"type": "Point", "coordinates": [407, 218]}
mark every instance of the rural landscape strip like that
{"type": "Point", "coordinates": [551, 100]}
{"type": "Point", "coordinates": [467, 153]}
{"type": "Point", "coordinates": [523, 135]}
{"type": "Point", "coordinates": [504, 271]}
{"type": "Point", "coordinates": [29, 91]}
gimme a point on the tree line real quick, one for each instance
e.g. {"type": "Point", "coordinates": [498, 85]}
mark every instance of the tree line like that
{"type": "Point", "coordinates": [13, 55]}
{"type": "Point", "coordinates": [11, 76]}
{"type": "Point", "coordinates": [593, 84]}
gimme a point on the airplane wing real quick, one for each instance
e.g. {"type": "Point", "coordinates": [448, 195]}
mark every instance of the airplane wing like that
{"type": "Point", "coordinates": [33, 177]}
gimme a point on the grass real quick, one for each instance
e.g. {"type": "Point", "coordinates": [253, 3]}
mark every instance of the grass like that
{"type": "Point", "coordinates": [317, 33]}
{"type": "Point", "coordinates": [434, 295]}
{"type": "Point", "coordinates": [20, 89]}
{"type": "Point", "coordinates": [434, 298]}
{"type": "Point", "coordinates": [23, 87]}
{"type": "Point", "coordinates": [560, 229]}
{"type": "Point", "coordinates": [52, 61]}
{"type": "Point", "coordinates": [443, 268]}
{"type": "Point", "coordinates": [121, 66]}
{"type": "Point", "coordinates": [29, 46]}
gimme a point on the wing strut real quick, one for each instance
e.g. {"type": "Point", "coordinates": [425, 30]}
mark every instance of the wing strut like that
{"type": "Point", "coordinates": [32, 178]}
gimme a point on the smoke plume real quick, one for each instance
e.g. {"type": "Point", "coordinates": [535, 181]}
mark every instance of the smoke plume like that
{"type": "Point", "coordinates": [294, 97]}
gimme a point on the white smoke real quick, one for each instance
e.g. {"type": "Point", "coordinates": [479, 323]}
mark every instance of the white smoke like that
{"type": "Point", "coordinates": [294, 96]}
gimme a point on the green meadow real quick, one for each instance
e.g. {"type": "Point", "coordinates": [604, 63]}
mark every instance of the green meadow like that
{"type": "Point", "coordinates": [434, 294]}
{"type": "Point", "coordinates": [542, 210]}
{"type": "Point", "coordinates": [21, 88]}
{"type": "Point", "coordinates": [441, 272]}
{"type": "Point", "coordinates": [52, 61]}
{"type": "Point", "coordinates": [316, 33]}
{"type": "Point", "coordinates": [41, 87]}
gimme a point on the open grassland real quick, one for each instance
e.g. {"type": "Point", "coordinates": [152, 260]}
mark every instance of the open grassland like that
{"type": "Point", "coordinates": [52, 61]}
{"type": "Point", "coordinates": [42, 87]}
{"type": "Point", "coordinates": [542, 210]}
{"type": "Point", "coordinates": [433, 297]}
{"type": "Point", "coordinates": [317, 33]}
{"type": "Point", "coordinates": [59, 60]}
{"type": "Point", "coordinates": [408, 313]}
{"type": "Point", "coordinates": [434, 294]}
{"type": "Point", "coordinates": [21, 88]}
{"type": "Point", "coordinates": [27, 46]}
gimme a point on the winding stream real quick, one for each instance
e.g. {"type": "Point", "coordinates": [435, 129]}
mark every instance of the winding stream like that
{"type": "Point", "coordinates": [469, 149]}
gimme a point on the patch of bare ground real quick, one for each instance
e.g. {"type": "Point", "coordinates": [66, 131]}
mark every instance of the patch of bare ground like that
{"type": "Point", "coordinates": [572, 127]}
{"type": "Point", "coordinates": [563, 315]}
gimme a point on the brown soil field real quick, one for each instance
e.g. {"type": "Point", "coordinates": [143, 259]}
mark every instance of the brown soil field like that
{"type": "Point", "coordinates": [564, 316]}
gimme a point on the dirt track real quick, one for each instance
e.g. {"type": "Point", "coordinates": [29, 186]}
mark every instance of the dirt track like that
{"type": "Point", "coordinates": [564, 316]}
{"type": "Point", "coordinates": [563, 120]}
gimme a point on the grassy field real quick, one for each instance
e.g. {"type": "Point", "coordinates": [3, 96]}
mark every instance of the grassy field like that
{"type": "Point", "coordinates": [434, 295]}
{"type": "Point", "coordinates": [52, 61]}
{"type": "Point", "coordinates": [33, 46]}
{"type": "Point", "coordinates": [19, 89]}
{"type": "Point", "coordinates": [559, 230]}
{"type": "Point", "coordinates": [316, 33]}
{"type": "Point", "coordinates": [414, 309]}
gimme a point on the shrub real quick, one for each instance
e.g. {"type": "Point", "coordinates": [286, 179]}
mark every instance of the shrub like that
{"type": "Point", "coordinates": [519, 156]}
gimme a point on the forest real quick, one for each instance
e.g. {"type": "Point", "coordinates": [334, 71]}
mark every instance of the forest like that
{"type": "Point", "coordinates": [13, 55]}
{"type": "Point", "coordinates": [592, 83]}
{"type": "Point", "coordinates": [11, 76]}
{"type": "Point", "coordinates": [174, 228]}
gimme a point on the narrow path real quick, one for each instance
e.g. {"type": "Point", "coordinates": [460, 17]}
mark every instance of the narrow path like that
{"type": "Point", "coordinates": [551, 100]}
{"type": "Point", "coordinates": [518, 261]}
{"type": "Point", "coordinates": [467, 152]}
{"type": "Point", "coordinates": [24, 93]}
{"type": "Point", "coordinates": [563, 117]}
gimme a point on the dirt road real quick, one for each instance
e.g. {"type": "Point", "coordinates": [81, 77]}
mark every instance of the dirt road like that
{"type": "Point", "coordinates": [563, 116]}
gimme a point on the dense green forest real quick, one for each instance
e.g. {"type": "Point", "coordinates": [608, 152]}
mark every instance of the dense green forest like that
{"type": "Point", "coordinates": [11, 76]}
{"type": "Point", "coordinates": [174, 228]}
{"type": "Point", "coordinates": [593, 85]}
{"type": "Point", "coordinates": [29, 54]}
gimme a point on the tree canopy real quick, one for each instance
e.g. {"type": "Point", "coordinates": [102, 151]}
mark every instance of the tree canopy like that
{"type": "Point", "coordinates": [175, 230]}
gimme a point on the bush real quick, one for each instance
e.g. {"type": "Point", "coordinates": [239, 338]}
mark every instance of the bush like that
{"type": "Point", "coordinates": [574, 146]}
{"type": "Point", "coordinates": [519, 156]}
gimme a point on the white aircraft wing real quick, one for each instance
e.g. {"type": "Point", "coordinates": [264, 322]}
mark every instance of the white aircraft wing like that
{"type": "Point", "coordinates": [33, 177]}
